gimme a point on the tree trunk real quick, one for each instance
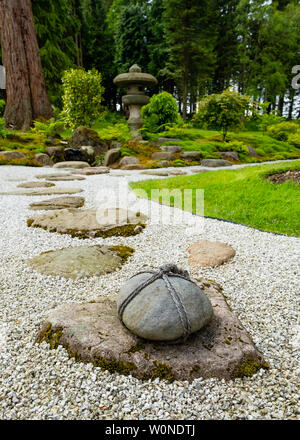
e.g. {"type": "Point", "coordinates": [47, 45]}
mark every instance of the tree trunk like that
{"type": "Point", "coordinates": [27, 97]}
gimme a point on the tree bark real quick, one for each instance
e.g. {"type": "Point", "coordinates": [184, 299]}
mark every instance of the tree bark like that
{"type": "Point", "coordinates": [27, 98]}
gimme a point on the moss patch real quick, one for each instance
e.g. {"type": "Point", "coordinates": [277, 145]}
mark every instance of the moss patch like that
{"type": "Point", "coordinates": [162, 371]}
{"type": "Point", "coordinates": [115, 366]}
{"type": "Point", "coordinates": [248, 367]}
{"type": "Point", "coordinates": [124, 252]}
{"type": "Point", "coordinates": [51, 336]}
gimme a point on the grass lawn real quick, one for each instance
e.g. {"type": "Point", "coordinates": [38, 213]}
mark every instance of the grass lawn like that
{"type": "Point", "coordinates": [244, 196]}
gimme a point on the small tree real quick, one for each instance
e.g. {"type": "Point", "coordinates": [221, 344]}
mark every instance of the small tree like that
{"type": "Point", "coordinates": [162, 109]}
{"type": "Point", "coordinates": [82, 97]}
{"type": "Point", "coordinates": [224, 111]}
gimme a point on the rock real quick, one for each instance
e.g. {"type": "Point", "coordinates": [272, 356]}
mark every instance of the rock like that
{"type": "Point", "coordinates": [116, 144]}
{"type": "Point", "coordinates": [251, 151]}
{"type": "Point", "coordinates": [43, 192]}
{"type": "Point", "coordinates": [47, 176]}
{"type": "Point", "coordinates": [89, 223]}
{"type": "Point", "coordinates": [44, 159]}
{"type": "Point", "coordinates": [206, 253]}
{"type": "Point", "coordinates": [191, 155]}
{"type": "Point", "coordinates": [73, 154]}
{"type": "Point", "coordinates": [137, 166]}
{"type": "Point", "coordinates": [65, 178]}
{"type": "Point", "coordinates": [88, 154]}
{"type": "Point", "coordinates": [112, 156]}
{"type": "Point", "coordinates": [57, 203]}
{"type": "Point", "coordinates": [76, 165]}
{"type": "Point", "coordinates": [197, 170]}
{"type": "Point", "coordinates": [79, 261]}
{"type": "Point", "coordinates": [172, 148]}
{"type": "Point", "coordinates": [163, 155]}
{"type": "Point", "coordinates": [92, 171]}
{"type": "Point", "coordinates": [215, 163]}
{"type": "Point", "coordinates": [164, 163]}
{"type": "Point", "coordinates": [84, 136]}
{"type": "Point", "coordinates": [162, 140]}
{"type": "Point", "coordinates": [156, 172]}
{"type": "Point", "coordinates": [128, 160]}
{"type": "Point", "coordinates": [153, 313]}
{"type": "Point", "coordinates": [229, 155]}
{"type": "Point", "coordinates": [93, 333]}
{"type": "Point", "coordinates": [12, 155]}
{"type": "Point", "coordinates": [56, 153]}
{"type": "Point", "coordinates": [177, 172]}
{"type": "Point", "coordinates": [36, 185]}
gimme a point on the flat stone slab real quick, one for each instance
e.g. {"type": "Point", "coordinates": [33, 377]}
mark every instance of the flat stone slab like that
{"type": "Point", "coordinates": [216, 163]}
{"type": "Point", "coordinates": [178, 173]}
{"type": "Point", "coordinates": [92, 332]}
{"type": "Point", "coordinates": [36, 185]}
{"type": "Point", "coordinates": [162, 173]}
{"type": "Point", "coordinates": [206, 253]}
{"type": "Point", "coordinates": [80, 261]}
{"type": "Point", "coordinates": [71, 164]}
{"type": "Point", "coordinates": [51, 175]}
{"type": "Point", "coordinates": [65, 178]}
{"type": "Point", "coordinates": [57, 203]}
{"type": "Point", "coordinates": [43, 192]}
{"type": "Point", "coordinates": [92, 171]}
{"type": "Point", "coordinates": [89, 223]}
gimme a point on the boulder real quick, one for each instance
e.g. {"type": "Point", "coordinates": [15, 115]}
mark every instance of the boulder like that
{"type": "Point", "coordinates": [56, 153]}
{"type": "Point", "coordinates": [251, 151]}
{"type": "Point", "coordinates": [229, 155]}
{"type": "Point", "coordinates": [88, 154]}
{"type": "Point", "coordinates": [206, 253]}
{"type": "Point", "coordinates": [72, 164]}
{"type": "Point", "coordinates": [164, 163]}
{"type": "Point", "coordinates": [44, 159]}
{"type": "Point", "coordinates": [136, 166]}
{"type": "Point", "coordinates": [73, 154]}
{"type": "Point", "coordinates": [215, 163]}
{"type": "Point", "coordinates": [172, 148]}
{"type": "Point", "coordinates": [191, 155]}
{"type": "Point", "coordinates": [79, 261]}
{"type": "Point", "coordinates": [37, 184]}
{"type": "Point", "coordinates": [84, 136]}
{"type": "Point", "coordinates": [116, 144]}
{"type": "Point", "coordinates": [92, 332]}
{"type": "Point", "coordinates": [57, 203]}
{"type": "Point", "coordinates": [92, 171]}
{"type": "Point", "coordinates": [111, 156]}
{"type": "Point", "coordinates": [128, 160]}
{"type": "Point", "coordinates": [154, 313]}
{"type": "Point", "coordinates": [89, 223]}
{"type": "Point", "coordinates": [163, 155]}
{"type": "Point", "coordinates": [43, 192]}
{"type": "Point", "coordinates": [12, 155]}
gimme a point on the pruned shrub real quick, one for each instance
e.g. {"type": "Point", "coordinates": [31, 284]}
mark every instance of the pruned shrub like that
{"type": "Point", "coordinates": [161, 110]}
{"type": "Point", "coordinates": [282, 131]}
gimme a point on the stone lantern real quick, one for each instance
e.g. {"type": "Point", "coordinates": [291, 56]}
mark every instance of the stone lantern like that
{"type": "Point", "coordinates": [135, 82]}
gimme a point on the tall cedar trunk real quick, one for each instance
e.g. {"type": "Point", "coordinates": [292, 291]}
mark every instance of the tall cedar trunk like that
{"type": "Point", "coordinates": [26, 93]}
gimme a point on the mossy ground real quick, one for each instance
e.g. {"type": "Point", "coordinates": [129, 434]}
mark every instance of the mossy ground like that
{"type": "Point", "coordinates": [248, 367]}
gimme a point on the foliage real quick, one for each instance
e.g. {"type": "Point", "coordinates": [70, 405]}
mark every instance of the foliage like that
{"type": "Point", "coordinates": [224, 111]}
{"type": "Point", "coordinates": [161, 110]}
{"type": "Point", "coordinates": [82, 97]}
{"type": "Point", "coordinates": [235, 195]}
{"type": "Point", "coordinates": [50, 128]}
{"type": "Point", "coordinates": [119, 132]}
{"type": "Point", "coordinates": [237, 146]}
{"type": "Point", "coordinates": [294, 139]}
{"type": "Point", "coordinates": [281, 131]}
{"type": "Point", "coordinates": [2, 107]}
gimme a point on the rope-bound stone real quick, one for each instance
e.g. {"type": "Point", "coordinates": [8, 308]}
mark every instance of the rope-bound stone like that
{"type": "Point", "coordinates": [166, 272]}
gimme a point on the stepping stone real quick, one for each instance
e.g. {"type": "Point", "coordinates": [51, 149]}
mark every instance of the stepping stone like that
{"type": "Point", "coordinates": [65, 178]}
{"type": "Point", "coordinates": [43, 192]}
{"type": "Point", "coordinates": [48, 176]}
{"type": "Point", "coordinates": [198, 171]}
{"type": "Point", "coordinates": [58, 203]}
{"type": "Point", "coordinates": [206, 253]}
{"type": "Point", "coordinates": [92, 332]}
{"type": "Point", "coordinates": [71, 164]}
{"type": "Point", "coordinates": [156, 173]}
{"type": "Point", "coordinates": [90, 223]}
{"type": "Point", "coordinates": [133, 166]}
{"type": "Point", "coordinates": [92, 171]}
{"type": "Point", "coordinates": [215, 163]}
{"type": "Point", "coordinates": [177, 173]}
{"type": "Point", "coordinates": [36, 185]}
{"type": "Point", "coordinates": [80, 261]}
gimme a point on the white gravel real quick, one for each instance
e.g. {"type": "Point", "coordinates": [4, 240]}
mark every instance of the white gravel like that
{"type": "Point", "coordinates": [261, 283]}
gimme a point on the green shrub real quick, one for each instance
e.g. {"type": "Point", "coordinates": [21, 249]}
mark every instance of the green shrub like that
{"type": "Point", "coordinates": [224, 111]}
{"type": "Point", "coordinates": [161, 110]}
{"type": "Point", "coordinates": [127, 151]}
{"type": "Point", "coordinates": [50, 128]}
{"type": "Point", "coordinates": [2, 128]}
{"type": "Point", "coordinates": [178, 163]}
{"type": "Point", "coordinates": [2, 107]}
{"type": "Point", "coordinates": [281, 131]}
{"type": "Point", "coordinates": [82, 95]}
{"type": "Point", "coordinates": [294, 139]}
{"type": "Point", "coordinates": [119, 132]}
{"type": "Point", "coordinates": [236, 146]}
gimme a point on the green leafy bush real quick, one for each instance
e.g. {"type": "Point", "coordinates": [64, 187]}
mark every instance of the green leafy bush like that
{"type": "Point", "coordinates": [294, 139]}
{"type": "Point", "coordinates": [161, 110]}
{"type": "Point", "coordinates": [82, 95]}
{"type": "Point", "coordinates": [282, 131]}
{"type": "Point", "coordinates": [178, 163]}
{"type": "Point", "coordinates": [237, 146]}
{"type": "Point", "coordinates": [224, 111]}
{"type": "Point", "coordinates": [50, 128]}
{"type": "Point", "coordinates": [127, 151]}
{"type": "Point", "coordinates": [2, 107]}
{"type": "Point", "coordinates": [119, 132]}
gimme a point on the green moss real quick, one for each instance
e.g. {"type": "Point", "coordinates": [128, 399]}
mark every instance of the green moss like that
{"type": "Point", "coordinates": [124, 252]}
{"type": "Point", "coordinates": [119, 231]}
{"type": "Point", "coordinates": [162, 371]}
{"type": "Point", "coordinates": [115, 366]}
{"type": "Point", "coordinates": [196, 369]}
{"type": "Point", "coordinates": [137, 347]}
{"type": "Point", "coordinates": [248, 367]}
{"type": "Point", "coordinates": [29, 222]}
{"type": "Point", "coordinates": [51, 336]}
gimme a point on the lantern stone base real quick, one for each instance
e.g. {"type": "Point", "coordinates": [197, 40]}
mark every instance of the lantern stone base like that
{"type": "Point", "coordinates": [92, 332]}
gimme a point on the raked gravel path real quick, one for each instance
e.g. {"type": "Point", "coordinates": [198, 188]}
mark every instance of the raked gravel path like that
{"type": "Point", "coordinates": [261, 283]}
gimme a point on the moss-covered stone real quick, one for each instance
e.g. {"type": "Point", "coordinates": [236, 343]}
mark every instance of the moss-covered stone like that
{"type": "Point", "coordinates": [124, 252]}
